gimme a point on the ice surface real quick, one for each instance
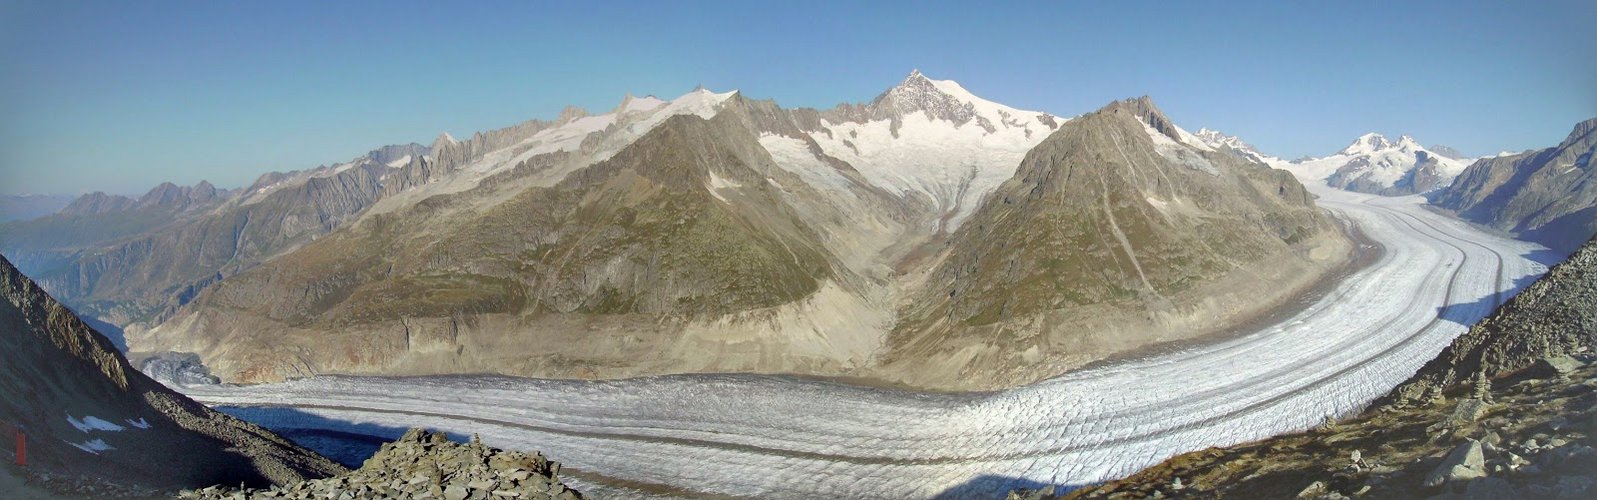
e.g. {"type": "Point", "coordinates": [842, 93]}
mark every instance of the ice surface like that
{"type": "Point", "coordinates": [786, 437]}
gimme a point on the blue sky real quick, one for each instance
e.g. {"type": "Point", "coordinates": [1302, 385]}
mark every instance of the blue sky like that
{"type": "Point", "coordinates": [119, 96]}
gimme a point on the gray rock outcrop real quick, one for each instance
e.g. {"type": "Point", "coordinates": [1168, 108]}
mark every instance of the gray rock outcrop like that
{"type": "Point", "coordinates": [424, 464]}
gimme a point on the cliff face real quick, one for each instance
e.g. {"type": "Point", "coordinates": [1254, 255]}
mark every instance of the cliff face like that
{"type": "Point", "coordinates": [1549, 196]}
{"type": "Point", "coordinates": [1509, 410]}
{"type": "Point", "coordinates": [87, 412]}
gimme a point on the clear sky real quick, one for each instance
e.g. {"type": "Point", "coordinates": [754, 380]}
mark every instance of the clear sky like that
{"type": "Point", "coordinates": [119, 96]}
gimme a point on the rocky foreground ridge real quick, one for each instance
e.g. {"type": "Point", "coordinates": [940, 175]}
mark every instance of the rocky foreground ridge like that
{"type": "Point", "coordinates": [1509, 410]}
{"type": "Point", "coordinates": [423, 464]}
{"type": "Point", "coordinates": [89, 418]}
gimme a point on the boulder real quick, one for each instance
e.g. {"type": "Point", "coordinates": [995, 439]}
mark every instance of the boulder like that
{"type": "Point", "coordinates": [1465, 462]}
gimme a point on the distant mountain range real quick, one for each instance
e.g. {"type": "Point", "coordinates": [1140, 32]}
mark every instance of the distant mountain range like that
{"type": "Point", "coordinates": [929, 237]}
{"type": "Point", "coordinates": [1370, 164]}
{"type": "Point", "coordinates": [31, 206]}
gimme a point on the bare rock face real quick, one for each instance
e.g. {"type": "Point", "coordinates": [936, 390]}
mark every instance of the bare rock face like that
{"type": "Point", "coordinates": [1549, 196]}
{"type": "Point", "coordinates": [87, 412]}
{"type": "Point", "coordinates": [424, 464]}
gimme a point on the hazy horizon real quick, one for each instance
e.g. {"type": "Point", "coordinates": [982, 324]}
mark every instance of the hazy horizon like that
{"type": "Point", "coordinates": [120, 98]}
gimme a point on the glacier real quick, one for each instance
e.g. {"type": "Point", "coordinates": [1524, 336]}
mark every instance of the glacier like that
{"type": "Point", "coordinates": [790, 437]}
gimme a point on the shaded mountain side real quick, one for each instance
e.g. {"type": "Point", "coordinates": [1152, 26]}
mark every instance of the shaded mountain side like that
{"type": "Point", "coordinates": [1548, 196]}
{"type": "Point", "coordinates": [1508, 410]}
{"type": "Point", "coordinates": [137, 263]}
{"type": "Point", "coordinates": [1114, 233]}
{"type": "Point", "coordinates": [684, 223]}
{"type": "Point", "coordinates": [446, 470]}
{"type": "Point", "coordinates": [87, 412]}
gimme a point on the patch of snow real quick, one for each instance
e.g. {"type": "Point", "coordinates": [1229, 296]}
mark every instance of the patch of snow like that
{"type": "Point", "coordinates": [1179, 152]}
{"type": "Point", "coordinates": [399, 162]}
{"type": "Point", "coordinates": [94, 446]}
{"type": "Point", "coordinates": [1191, 140]}
{"type": "Point", "coordinates": [955, 166]}
{"type": "Point", "coordinates": [717, 183]}
{"type": "Point", "coordinates": [93, 423]}
{"type": "Point", "coordinates": [1217, 140]}
{"type": "Point", "coordinates": [140, 423]}
{"type": "Point", "coordinates": [794, 156]}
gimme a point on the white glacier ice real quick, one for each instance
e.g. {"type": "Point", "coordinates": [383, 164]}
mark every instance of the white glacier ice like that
{"type": "Point", "coordinates": [789, 437]}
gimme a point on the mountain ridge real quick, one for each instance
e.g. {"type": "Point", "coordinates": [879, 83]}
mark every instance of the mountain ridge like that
{"type": "Point", "coordinates": [554, 233]}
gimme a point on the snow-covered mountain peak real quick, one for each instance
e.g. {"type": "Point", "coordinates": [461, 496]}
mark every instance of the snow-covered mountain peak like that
{"type": "Point", "coordinates": [925, 138]}
{"type": "Point", "coordinates": [443, 140]}
{"type": "Point", "coordinates": [1235, 145]}
{"type": "Point", "coordinates": [570, 113]}
{"type": "Point", "coordinates": [631, 104]}
{"type": "Point", "coordinates": [1365, 144]}
{"type": "Point", "coordinates": [1216, 139]}
{"type": "Point", "coordinates": [1160, 128]}
{"type": "Point", "coordinates": [948, 100]}
{"type": "Point", "coordinates": [1373, 163]}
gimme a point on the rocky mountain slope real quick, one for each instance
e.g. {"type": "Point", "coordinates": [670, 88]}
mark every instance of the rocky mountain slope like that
{"type": "Point", "coordinates": [1509, 410]}
{"type": "Point", "coordinates": [130, 261]}
{"type": "Point", "coordinates": [424, 464]}
{"type": "Point", "coordinates": [1119, 230]}
{"type": "Point", "coordinates": [86, 412]}
{"type": "Point", "coordinates": [1375, 164]}
{"type": "Point", "coordinates": [706, 233]}
{"type": "Point", "coordinates": [1549, 196]}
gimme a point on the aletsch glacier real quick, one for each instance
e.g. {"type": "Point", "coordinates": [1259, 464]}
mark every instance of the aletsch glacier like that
{"type": "Point", "coordinates": [785, 437]}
